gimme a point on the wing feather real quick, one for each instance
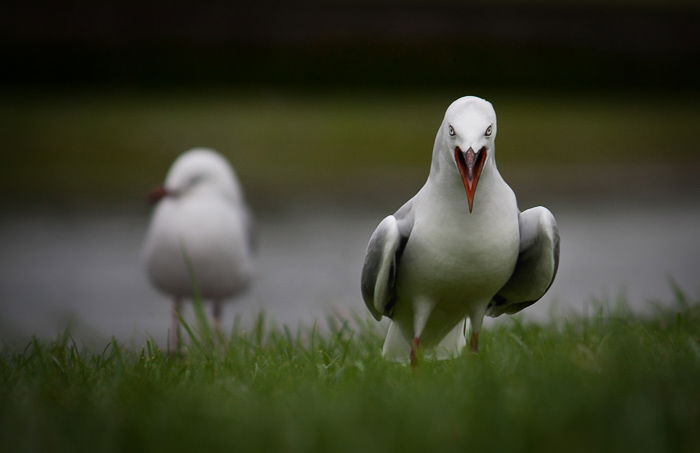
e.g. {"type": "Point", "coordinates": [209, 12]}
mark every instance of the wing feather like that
{"type": "Point", "coordinates": [537, 263]}
{"type": "Point", "coordinates": [382, 260]}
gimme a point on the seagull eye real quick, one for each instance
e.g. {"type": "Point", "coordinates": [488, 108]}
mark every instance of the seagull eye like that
{"type": "Point", "coordinates": [196, 180]}
{"type": "Point", "coordinates": [488, 131]}
{"type": "Point", "coordinates": [452, 131]}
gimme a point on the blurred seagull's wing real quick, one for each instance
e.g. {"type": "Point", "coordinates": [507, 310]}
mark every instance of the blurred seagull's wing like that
{"type": "Point", "coordinates": [536, 266]}
{"type": "Point", "coordinates": [250, 229]}
{"type": "Point", "coordinates": [382, 260]}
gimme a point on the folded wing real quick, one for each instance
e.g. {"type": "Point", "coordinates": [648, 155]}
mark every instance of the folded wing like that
{"type": "Point", "coordinates": [536, 266]}
{"type": "Point", "coordinates": [382, 260]}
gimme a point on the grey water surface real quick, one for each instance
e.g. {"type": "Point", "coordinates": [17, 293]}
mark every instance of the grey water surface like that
{"type": "Point", "coordinates": [84, 271]}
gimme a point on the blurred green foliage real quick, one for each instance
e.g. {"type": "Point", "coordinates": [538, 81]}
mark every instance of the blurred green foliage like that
{"type": "Point", "coordinates": [609, 382]}
{"type": "Point", "coordinates": [119, 145]}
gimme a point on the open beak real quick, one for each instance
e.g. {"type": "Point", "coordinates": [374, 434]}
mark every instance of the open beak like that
{"type": "Point", "coordinates": [158, 192]}
{"type": "Point", "coordinates": [470, 164]}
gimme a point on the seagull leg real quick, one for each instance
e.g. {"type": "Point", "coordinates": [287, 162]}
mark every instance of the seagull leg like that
{"type": "Point", "coordinates": [474, 342]}
{"type": "Point", "coordinates": [414, 352]}
{"type": "Point", "coordinates": [174, 340]}
{"type": "Point", "coordinates": [217, 310]}
{"type": "Point", "coordinates": [476, 317]}
{"type": "Point", "coordinates": [421, 312]}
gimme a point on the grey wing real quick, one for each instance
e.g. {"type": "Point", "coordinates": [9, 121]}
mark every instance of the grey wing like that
{"type": "Point", "coordinates": [250, 229]}
{"type": "Point", "coordinates": [382, 260]}
{"type": "Point", "coordinates": [536, 266]}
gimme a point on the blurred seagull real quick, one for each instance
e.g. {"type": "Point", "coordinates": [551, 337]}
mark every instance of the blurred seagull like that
{"type": "Point", "coordinates": [200, 234]}
{"type": "Point", "coordinates": [444, 257]}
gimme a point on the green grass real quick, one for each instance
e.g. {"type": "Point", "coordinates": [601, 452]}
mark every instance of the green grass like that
{"type": "Point", "coordinates": [609, 382]}
{"type": "Point", "coordinates": [119, 145]}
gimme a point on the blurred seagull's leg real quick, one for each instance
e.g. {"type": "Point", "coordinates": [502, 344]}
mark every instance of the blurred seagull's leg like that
{"type": "Point", "coordinates": [421, 312]}
{"type": "Point", "coordinates": [476, 317]}
{"type": "Point", "coordinates": [217, 310]}
{"type": "Point", "coordinates": [474, 342]}
{"type": "Point", "coordinates": [174, 340]}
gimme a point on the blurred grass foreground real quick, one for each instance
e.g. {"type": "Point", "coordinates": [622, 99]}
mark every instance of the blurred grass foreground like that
{"type": "Point", "coordinates": [609, 382]}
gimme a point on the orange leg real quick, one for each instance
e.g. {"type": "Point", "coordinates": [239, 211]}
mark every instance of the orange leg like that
{"type": "Point", "coordinates": [174, 340]}
{"type": "Point", "coordinates": [474, 342]}
{"type": "Point", "coordinates": [217, 311]}
{"type": "Point", "coordinates": [414, 352]}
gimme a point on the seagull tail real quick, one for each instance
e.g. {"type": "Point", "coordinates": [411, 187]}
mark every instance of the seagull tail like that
{"type": "Point", "coordinates": [397, 346]}
{"type": "Point", "coordinates": [451, 346]}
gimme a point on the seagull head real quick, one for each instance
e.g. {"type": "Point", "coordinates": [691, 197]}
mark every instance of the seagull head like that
{"type": "Point", "coordinates": [466, 139]}
{"type": "Point", "coordinates": [199, 171]}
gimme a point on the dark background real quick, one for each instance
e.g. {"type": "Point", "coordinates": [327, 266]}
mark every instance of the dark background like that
{"type": "Point", "coordinates": [524, 45]}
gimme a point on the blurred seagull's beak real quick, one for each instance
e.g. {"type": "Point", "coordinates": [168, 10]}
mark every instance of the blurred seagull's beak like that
{"type": "Point", "coordinates": [470, 164]}
{"type": "Point", "coordinates": [158, 192]}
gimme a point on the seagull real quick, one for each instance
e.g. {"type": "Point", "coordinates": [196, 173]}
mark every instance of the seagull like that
{"type": "Point", "coordinates": [200, 239]}
{"type": "Point", "coordinates": [459, 249]}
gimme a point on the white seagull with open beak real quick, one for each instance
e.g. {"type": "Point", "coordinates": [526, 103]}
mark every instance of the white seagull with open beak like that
{"type": "Point", "coordinates": [200, 235]}
{"type": "Point", "coordinates": [460, 248]}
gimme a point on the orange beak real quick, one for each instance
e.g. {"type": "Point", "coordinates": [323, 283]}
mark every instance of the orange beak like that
{"type": "Point", "coordinates": [470, 164]}
{"type": "Point", "coordinates": [155, 195]}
